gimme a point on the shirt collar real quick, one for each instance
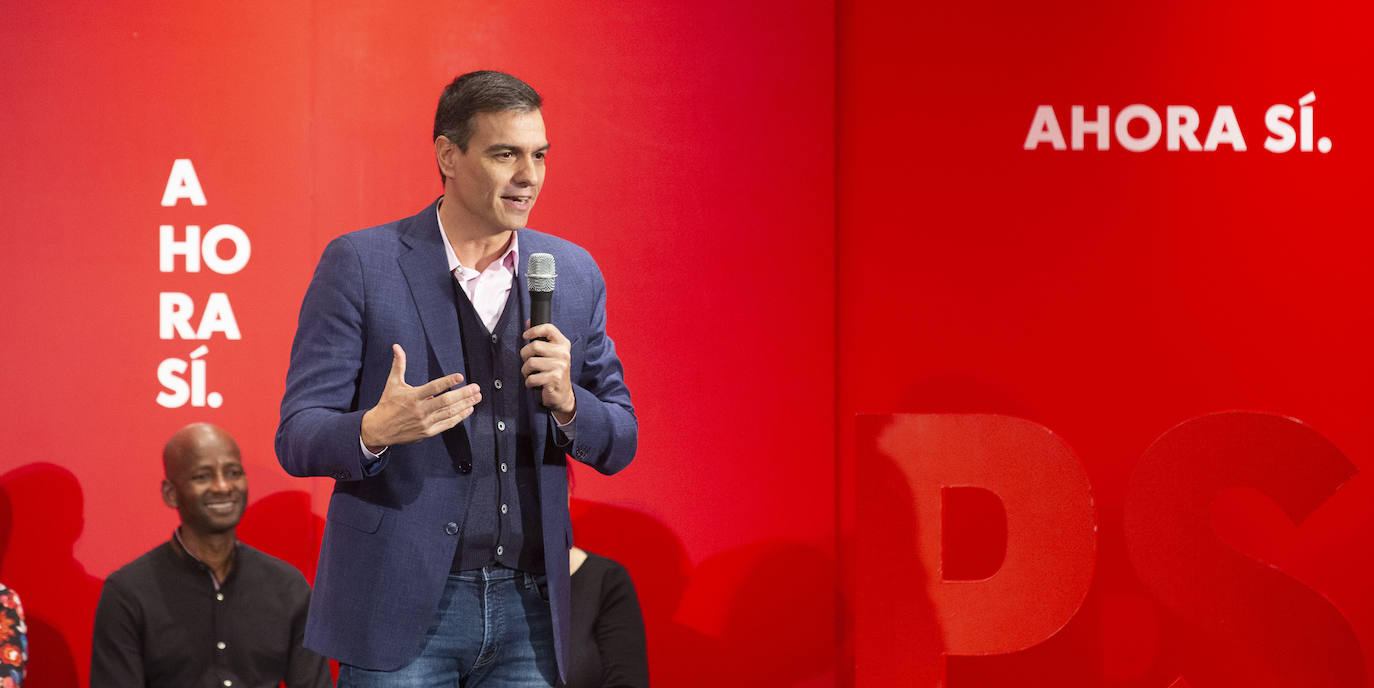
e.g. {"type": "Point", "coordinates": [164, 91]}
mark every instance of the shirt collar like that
{"type": "Point", "coordinates": [510, 259]}
{"type": "Point", "coordinates": [196, 561]}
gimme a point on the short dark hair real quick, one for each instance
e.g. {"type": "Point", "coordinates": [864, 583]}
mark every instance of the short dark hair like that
{"type": "Point", "coordinates": [480, 91]}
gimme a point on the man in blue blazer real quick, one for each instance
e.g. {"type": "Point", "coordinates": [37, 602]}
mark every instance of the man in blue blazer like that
{"type": "Point", "coordinates": [446, 422]}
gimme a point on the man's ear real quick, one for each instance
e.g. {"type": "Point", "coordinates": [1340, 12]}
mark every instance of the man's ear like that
{"type": "Point", "coordinates": [169, 493]}
{"type": "Point", "coordinates": [444, 153]}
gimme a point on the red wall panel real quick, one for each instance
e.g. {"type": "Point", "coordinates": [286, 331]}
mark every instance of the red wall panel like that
{"type": "Point", "coordinates": [1111, 295]}
{"type": "Point", "coordinates": [691, 155]}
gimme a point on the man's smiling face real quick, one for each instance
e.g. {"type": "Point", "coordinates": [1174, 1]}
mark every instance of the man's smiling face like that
{"type": "Point", "coordinates": [496, 181]}
{"type": "Point", "coordinates": [206, 482]}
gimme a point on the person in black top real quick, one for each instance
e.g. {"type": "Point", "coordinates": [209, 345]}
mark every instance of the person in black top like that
{"type": "Point", "coordinates": [204, 610]}
{"type": "Point", "coordinates": [607, 648]}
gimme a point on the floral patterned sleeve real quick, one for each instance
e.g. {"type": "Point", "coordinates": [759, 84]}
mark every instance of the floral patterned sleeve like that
{"type": "Point", "coordinates": [14, 644]}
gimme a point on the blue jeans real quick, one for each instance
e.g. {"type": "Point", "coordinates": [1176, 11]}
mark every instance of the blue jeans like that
{"type": "Point", "coordinates": [492, 629]}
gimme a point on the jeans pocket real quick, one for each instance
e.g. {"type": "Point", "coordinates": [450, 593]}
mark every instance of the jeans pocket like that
{"type": "Point", "coordinates": [539, 584]}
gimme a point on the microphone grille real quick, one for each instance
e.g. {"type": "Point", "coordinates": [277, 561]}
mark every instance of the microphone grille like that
{"type": "Point", "coordinates": [540, 272]}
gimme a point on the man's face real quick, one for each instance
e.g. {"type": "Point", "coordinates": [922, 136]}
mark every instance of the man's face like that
{"type": "Point", "coordinates": [496, 182]}
{"type": "Point", "coordinates": [207, 485]}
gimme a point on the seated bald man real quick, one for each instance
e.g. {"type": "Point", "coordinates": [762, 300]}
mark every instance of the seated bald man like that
{"type": "Point", "coordinates": [204, 609]}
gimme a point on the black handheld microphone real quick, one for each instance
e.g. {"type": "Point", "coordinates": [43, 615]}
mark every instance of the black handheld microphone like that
{"type": "Point", "coordinates": [539, 275]}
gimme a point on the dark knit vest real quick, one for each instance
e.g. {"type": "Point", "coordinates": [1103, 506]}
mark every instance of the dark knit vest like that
{"type": "Point", "coordinates": [502, 525]}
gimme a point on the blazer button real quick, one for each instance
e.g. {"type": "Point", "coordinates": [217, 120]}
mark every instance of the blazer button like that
{"type": "Point", "coordinates": [465, 468]}
{"type": "Point", "coordinates": [451, 528]}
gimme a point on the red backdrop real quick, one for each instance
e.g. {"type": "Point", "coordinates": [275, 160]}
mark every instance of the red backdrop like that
{"type": "Point", "coordinates": [804, 213]}
{"type": "Point", "coordinates": [1106, 297]}
{"type": "Point", "coordinates": [684, 137]}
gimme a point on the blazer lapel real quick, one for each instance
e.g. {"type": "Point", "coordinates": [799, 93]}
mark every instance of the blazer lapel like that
{"type": "Point", "coordinates": [425, 267]}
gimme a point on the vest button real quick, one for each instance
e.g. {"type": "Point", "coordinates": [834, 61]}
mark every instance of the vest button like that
{"type": "Point", "coordinates": [500, 425]}
{"type": "Point", "coordinates": [465, 467]}
{"type": "Point", "coordinates": [451, 528]}
{"type": "Point", "coordinates": [497, 384]}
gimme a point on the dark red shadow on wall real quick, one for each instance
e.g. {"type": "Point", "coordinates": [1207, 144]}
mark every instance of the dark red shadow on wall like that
{"type": "Point", "coordinates": [40, 519]}
{"type": "Point", "coordinates": [282, 525]}
{"type": "Point", "coordinates": [771, 633]}
{"type": "Point", "coordinates": [658, 563]}
{"type": "Point", "coordinates": [888, 577]}
{"type": "Point", "coordinates": [771, 587]}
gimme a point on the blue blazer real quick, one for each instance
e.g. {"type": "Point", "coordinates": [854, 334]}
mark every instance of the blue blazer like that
{"type": "Point", "coordinates": [389, 537]}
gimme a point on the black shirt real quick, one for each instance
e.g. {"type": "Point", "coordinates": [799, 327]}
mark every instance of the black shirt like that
{"type": "Point", "coordinates": [162, 623]}
{"type": "Point", "coordinates": [606, 646]}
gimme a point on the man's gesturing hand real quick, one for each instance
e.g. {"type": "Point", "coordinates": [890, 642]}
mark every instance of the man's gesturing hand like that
{"type": "Point", "coordinates": [408, 414]}
{"type": "Point", "coordinates": [548, 365]}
